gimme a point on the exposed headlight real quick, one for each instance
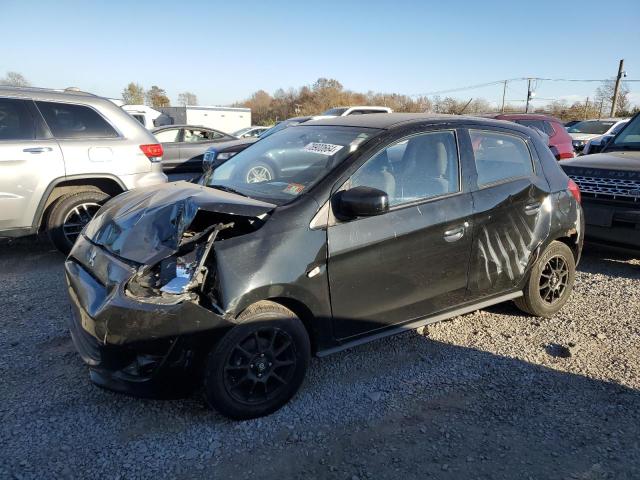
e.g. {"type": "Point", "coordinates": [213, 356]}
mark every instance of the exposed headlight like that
{"type": "Point", "coordinates": [225, 155]}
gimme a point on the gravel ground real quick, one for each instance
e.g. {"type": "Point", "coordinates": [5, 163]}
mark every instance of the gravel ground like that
{"type": "Point", "coordinates": [493, 394]}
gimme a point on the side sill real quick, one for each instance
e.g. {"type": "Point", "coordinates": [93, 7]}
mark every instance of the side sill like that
{"type": "Point", "coordinates": [405, 327]}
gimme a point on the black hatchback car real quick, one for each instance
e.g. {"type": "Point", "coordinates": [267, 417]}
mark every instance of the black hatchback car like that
{"type": "Point", "coordinates": [369, 226]}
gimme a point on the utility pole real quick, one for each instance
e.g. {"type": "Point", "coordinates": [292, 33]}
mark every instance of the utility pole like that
{"type": "Point", "coordinates": [600, 110]}
{"type": "Point", "coordinates": [614, 100]}
{"type": "Point", "coordinates": [504, 92]}
{"type": "Point", "coordinates": [586, 108]}
{"type": "Point", "coordinates": [526, 108]}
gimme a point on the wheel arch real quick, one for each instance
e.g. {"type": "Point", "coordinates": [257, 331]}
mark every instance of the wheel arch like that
{"type": "Point", "coordinates": [108, 184]}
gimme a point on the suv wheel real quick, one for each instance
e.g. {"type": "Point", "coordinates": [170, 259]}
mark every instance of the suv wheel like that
{"type": "Point", "coordinates": [70, 214]}
{"type": "Point", "coordinates": [550, 282]}
{"type": "Point", "coordinates": [258, 365]}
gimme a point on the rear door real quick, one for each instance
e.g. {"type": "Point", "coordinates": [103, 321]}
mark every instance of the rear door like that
{"type": "Point", "coordinates": [510, 214]}
{"type": "Point", "coordinates": [195, 142]}
{"type": "Point", "coordinates": [413, 260]}
{"type": "Point", "coordinates": [29, 160]}
{"type": "Point", "coordinates": [85, 137]}
{"type": "Point", "coordinates": [170, 139]}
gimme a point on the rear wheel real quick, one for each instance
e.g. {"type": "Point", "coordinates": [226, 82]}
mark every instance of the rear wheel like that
{"type": "Point", "coordinates": [550, 282]}
{"type": "Point", "coordinates": [70, 214]}
{"type": "Point", "coordinates": [257, 366]}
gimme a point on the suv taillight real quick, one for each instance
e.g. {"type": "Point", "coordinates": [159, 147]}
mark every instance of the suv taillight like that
{"type": "Point", "coordinates": [575, 190]}
{"type": "Point", "coordinates": [153, 151]}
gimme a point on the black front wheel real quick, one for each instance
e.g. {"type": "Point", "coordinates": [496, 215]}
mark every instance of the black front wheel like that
{"type": "Point", "coordinates": [257, 366]}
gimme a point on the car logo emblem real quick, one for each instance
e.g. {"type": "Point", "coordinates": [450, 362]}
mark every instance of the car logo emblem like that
{"type": "Point", "coordinates": [92, 258]}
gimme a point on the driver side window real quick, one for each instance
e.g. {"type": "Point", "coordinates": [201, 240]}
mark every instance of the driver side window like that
{"type": "Point", "coordinates": [412, 169]}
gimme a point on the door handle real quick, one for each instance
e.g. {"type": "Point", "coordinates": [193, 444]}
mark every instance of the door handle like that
{"type": "Point", "coordinates": [532, 208]}
{"type": "Point", "coordinates": [37, 149]}
{"type": "Point", "coordinates": [455, 234]}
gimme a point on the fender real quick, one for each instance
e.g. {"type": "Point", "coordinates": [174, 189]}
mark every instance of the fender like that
{"type": "Point", "coordinates": [37, 218]}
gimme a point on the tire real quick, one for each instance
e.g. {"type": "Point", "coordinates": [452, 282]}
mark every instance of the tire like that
{"type": "Point", "coordinates": [258, 172]}
{"type": "Point", "coordinates": [238, 378]}
{"type": "Point", "coordinates": [544, 293]}
{"type": "Point", "coordinates": [70, 213]}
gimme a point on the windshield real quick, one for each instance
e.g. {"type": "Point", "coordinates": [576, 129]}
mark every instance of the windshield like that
{"type": "Point", "coordinates": [595, 127]}
{"type": "Point", "coordinates": [629, 137]}
{"type": "Point", "coordinates": [286, 164]}
{"type": "Point", "coordinates": [242, 131]}
{"type": "Point", "coordinates": [335, 111]}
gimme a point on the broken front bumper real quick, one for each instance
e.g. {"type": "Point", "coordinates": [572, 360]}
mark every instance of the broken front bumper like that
{"type": "Point", "coordinates": [131, 344]}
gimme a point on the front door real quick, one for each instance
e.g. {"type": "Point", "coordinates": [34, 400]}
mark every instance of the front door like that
{"type": "Point", "coordinates": [412, 260]}
{"type": "Point", "coordinates": [510, 213]}
{"type": "Point", "coordinates": [28, 162]}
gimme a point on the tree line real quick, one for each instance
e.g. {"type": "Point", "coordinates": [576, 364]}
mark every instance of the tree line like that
{"type": "Point", "coordinates": [326, 93]}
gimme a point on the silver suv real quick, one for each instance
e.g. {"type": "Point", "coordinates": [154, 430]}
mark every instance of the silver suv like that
{"type": "Point", "coordinates": [62, 155]}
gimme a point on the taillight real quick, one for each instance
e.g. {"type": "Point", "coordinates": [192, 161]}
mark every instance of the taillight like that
{"type": "Point", "coordinates": [566, 155]}
{"type": "Point", "coordinates": [153, 151]}
{"type": "Point", "coordinates": [575, 190]}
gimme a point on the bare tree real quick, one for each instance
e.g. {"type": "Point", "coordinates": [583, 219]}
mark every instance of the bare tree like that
{"type": "Point", "coordinates": [187, 98]}
{"type": "Point", "coordinates": [157, 97]}
{"type": "Point", "coordinates": [133, 94]}
{"type": "Point", "coordinates": [15, 79]}
{"type": "Point", "coordinates": [604, 97]}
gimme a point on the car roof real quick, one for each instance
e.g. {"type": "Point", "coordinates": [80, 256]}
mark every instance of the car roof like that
{"type": "Point", "coordinates": [181, 125]}
{"type": "Point", "coordinates": [524, 116]}
{"type": "Point", "coordinates": [36, 93]}
{"type": "Point", "coordinates": [387, 121]}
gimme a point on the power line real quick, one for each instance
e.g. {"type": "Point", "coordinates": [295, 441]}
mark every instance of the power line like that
{"type": "Point", "coordinates": [501, 82]}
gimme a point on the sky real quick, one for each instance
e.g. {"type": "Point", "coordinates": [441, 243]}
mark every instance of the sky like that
{"type": "Point", "coordinates": [224, 51]}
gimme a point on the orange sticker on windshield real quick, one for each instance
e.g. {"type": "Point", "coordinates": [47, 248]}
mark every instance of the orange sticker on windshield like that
{"type": "Point", "coordinates": [293, 189]}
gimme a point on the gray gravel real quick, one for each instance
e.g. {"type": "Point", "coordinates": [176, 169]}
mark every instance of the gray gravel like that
{"type": "Point", "coordinates": [493, 394]}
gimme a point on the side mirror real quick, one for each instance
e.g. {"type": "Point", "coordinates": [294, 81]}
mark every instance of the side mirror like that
{"type": "Point", "coordinates": [598, 147]}
{"type": "Point", "coordinates": [359, 202]}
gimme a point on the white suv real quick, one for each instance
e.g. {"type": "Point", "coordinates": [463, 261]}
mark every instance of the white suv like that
{"type": "Point", "coordinates": [62, 155]}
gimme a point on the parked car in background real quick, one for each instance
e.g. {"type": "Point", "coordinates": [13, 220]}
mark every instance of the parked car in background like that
{"type": "Point", "coordinates": [371, 225]}
{"type": "Point", "coordinates": [184, 146]}
{"type": "Point", "coordinates": [62, 155]}
{"type": "Point", "coordinates": [610, 185]}
{"type": "Point", "coordinates": [559, 139]}
{"type": "Point", "coordinates": [595, 144]}
{"type": "Point", "coordinates": [219, 153]}
{"type": "Point", "coordinates": [249, 132]}
{"type": "Point", "coordinates": [571, 123]}
{"type": "Point", "coordinates": [357, 110]}
{"type": "Point", "coordinates": [146, 115]}
{"type": "Point", "coordinates": [584, 131]}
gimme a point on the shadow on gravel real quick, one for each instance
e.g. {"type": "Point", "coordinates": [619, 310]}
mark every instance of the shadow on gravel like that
{"type": "Point", "coordinates": [616, 263]}
{"type": "Point", "coordinates": [453, 412]}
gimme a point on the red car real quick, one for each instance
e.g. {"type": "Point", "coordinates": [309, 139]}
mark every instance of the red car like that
{"type": "Point", "coordinates": [559, 140]}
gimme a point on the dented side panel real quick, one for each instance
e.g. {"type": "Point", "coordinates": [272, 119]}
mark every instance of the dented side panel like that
{"type": "Point", "coordinates": [511, 221]}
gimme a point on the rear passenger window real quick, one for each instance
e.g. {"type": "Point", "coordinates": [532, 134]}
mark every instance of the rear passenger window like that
{"type": "Point", "coordinates": [415, 168]}
{"type": "Point", "coordinates": [500, 156]}
{"type": "Point", "coordinates": [75, 121]}
{"type": "Point", "coordinates": [542, 125]}
{"type": "Point", "coordinates": [16, 121]}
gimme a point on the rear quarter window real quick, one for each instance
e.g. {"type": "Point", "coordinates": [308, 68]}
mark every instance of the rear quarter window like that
{"type": "Point", "coordinates": [75, 121]}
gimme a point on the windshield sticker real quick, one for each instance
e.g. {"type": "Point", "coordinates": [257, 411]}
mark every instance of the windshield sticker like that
{"type": "Point", "coordinates": [293, 189]}
{"type": "Point", "coordinates": [327, 149]}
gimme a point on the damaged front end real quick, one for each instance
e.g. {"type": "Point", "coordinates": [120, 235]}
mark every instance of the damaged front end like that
{"type": "Point", "coordinates": [142, 282]}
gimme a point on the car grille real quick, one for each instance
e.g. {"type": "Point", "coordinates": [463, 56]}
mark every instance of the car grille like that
{"type": "Point", "coordinates": [608, 188]}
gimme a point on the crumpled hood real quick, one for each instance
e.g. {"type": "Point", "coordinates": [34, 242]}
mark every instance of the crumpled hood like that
{"type": "Point", "coordinates": [146, 225]}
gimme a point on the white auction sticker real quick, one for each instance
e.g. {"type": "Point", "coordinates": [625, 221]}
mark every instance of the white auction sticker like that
{"type": "Point", "coordinates": [327, 149]}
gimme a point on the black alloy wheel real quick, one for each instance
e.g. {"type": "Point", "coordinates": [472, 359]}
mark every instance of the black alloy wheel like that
{"type": "Point", "coordinates": [260, 366]}
{"type": "Point", "coordinates": [553, 279]}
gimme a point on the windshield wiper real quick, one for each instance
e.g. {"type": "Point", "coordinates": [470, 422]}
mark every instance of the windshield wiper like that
{"type": "Point", "coordinates": [224, 188]}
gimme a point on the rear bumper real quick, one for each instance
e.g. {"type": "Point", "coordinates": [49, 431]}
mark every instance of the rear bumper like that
{"type": "Point", "coordinates": [131, 345]}
{"type": "Point", "coordinates": [612, 224]}
{"type": "Point", "coordinates": [139, 180]}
